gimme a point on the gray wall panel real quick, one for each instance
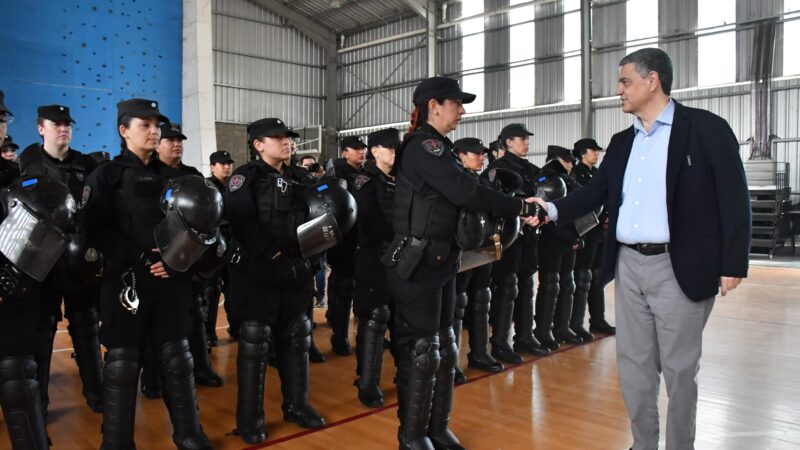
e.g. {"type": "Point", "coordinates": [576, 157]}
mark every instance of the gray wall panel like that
{"type": "Point", "coordinates": [549, 46]}
{"type": "Point", "coordinates": [608, 28]}
{"type": "Point", "coordinates": [748, 10]}
{"type": "Point", "coordinates": [676, 17]}
{"type": "Point", "coordinates": [263, 68]}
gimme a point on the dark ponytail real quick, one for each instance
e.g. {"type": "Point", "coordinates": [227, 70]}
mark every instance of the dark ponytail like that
{"type": "Point", "coordinates": [420, 115]}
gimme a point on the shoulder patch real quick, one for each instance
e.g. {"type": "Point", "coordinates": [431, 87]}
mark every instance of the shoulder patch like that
{"type": "Point", "coordinates": [360, 181]}
{"type": "Point", "coordinates": [236, 182]}
{"type": "Point", "coordinates": [87, 192]}
{"type": "Point", "coordinates": [433, 146]}
{"type": "Point", "coordinates": [492, 175]}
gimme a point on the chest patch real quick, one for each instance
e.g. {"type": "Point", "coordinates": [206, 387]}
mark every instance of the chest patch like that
{"type": "Point", "coordinates": [87, 192]}
{"type": "Point", "coordinates": [433, 146]}
{"type": "Point", "coordinates": [360, 181]}
{"type": "Point", "coordinates": [236, 182]}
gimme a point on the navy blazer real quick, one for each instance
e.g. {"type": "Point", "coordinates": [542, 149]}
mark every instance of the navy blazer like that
{"type": "Point", "coordinates": [708, 203]}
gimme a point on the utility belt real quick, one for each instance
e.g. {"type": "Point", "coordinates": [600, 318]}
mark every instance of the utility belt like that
{"type": "Point", "coordinates": [406, 253]}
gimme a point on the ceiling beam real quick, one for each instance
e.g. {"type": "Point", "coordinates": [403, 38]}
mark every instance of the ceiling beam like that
{"type": "Point", "coordinates": [418, 6]}
{"type": "Point", "coordinates": [315, 31]}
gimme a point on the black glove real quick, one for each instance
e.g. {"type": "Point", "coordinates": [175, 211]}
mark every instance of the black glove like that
{"type": "Point", "coordinates": [534, 209]}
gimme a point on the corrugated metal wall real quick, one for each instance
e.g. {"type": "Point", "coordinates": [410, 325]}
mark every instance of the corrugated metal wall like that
{"type": "Point", "coordinates": [376, 82]}
{"type": "Point", "coordinates": [747, 11]}
{"type": "Point", "coordinates": [263, 68]}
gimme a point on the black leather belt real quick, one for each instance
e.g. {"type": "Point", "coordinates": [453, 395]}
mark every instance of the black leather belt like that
{"type": "Point", "coordinates": [649, 249]}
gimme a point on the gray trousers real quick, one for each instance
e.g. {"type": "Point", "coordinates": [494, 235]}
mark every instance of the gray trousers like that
{"type": "Point", "coordinates": [659, 330]}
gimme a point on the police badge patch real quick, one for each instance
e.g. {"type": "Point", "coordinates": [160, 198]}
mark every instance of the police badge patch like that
{"type": "Point", "coordinates": [236, 182]}
{"type": "Point", "coordinates": [361, 180]}
{"type": "Point", "coordinates": [87, 192]}
{"type": "Point", "coordinates": [433, 146]}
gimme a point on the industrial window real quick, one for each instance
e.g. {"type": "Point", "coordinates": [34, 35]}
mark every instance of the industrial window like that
{"type": "Point", "coordinates": [572, 50]}
{"type": "Point", "coordinates": [472, 61]}
{"type": "Point", "coordinates": [791, 36]}
{"type": "Point", "coordinates": [716, 47]}
{"type": "Point", "coordinates": [522, 51]}
{"type": "Point", "coordinates": [641, 24]}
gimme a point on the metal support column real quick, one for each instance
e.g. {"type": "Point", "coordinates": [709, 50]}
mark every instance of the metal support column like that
{"type": "Point", "coordinates": [431, 13]}
{"type": "Point", "coordinates": [586, 68]}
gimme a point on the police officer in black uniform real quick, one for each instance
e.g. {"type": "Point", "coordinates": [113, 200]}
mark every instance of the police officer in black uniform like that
{"type": "Point", "coordinates": [55, 158]}
{"type": "Point", "coordinates": [221, 170]}
{"type": "Point", "coordinates": [342, 281]}
{"type": "Point", "coordinates": [170, 151]}
{"type": "Point", "coordinates": [9, 170]}
{"type": "Point", "coordinates": [588, 284]}
{"type": "Point", "coordinates": [557, 248]}
{"type": "Point", "coordinates": [512, 276]}
{"type": "Point", "coordinates": [374, 194]}
{"type": "Point", "coordinates": [473, 287]}
{"type": "Point", "coordinates": [269, 278]}
{"type": "Point", "coordinates": [141, 296]}
{"type": "Point", "coordinates": [20, 393]}
{"type": "Point", "coordinates": [36, 212]}
{"type": "Point", "coordinates": [423, 260]}
{"type": "Point", "coordinates": [8, 149]}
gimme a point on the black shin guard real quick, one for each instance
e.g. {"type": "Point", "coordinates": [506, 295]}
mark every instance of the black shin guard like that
{"type": "Point", "coordinates": [503, 313]}
{"type": "Point", "coordinates": [180, 396]}
{"type": "Point", "coordinates": [293, 370]}
{"type": "Point", "coordinates": [84, 331]}
{"type": "Point", "coordinates": [439, 432]}
{"type": "Point", "coordinates": [251, 367]}
{"type": "Point", "coordinates": [370, 353]}
{"type": "Point", "coordinates": [119, 398]}
{"type": "Point", "coordinates": [417, 365]}
{"type": "Point", "coordinates": [22, 403]}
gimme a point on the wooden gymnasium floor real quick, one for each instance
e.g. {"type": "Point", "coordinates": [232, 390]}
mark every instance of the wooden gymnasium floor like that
{"type": "Point", "coordinates": [749, 391]}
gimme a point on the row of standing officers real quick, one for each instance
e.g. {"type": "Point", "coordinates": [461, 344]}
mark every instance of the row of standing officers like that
{"type": "Point", "coordinates": [398, 268]}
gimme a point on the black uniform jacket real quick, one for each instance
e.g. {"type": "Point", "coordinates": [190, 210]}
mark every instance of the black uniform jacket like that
{"type": "Point", "coordinates": [708, 203]}
{"type": "Point", "coordinates": [124, 237]}
{"type": "Point", "coordinates": [259, 245]}
{"type": "Point", "coordinates": [374, 194]}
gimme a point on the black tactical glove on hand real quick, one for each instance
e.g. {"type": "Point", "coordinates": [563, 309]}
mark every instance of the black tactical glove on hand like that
{"type": "Point", "coordinates": [533, 209]}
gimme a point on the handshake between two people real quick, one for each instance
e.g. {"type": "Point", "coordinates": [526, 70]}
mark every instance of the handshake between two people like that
{"type": "Point", "coordinates": [534, 212]}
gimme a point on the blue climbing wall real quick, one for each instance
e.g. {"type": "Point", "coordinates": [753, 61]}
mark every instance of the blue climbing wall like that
{"type": "Point", "coordinates": [89, 55]}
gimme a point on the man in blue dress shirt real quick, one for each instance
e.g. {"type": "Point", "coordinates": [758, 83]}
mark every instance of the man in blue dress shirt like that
{"type": "Point", "coordinates": [679, 233]}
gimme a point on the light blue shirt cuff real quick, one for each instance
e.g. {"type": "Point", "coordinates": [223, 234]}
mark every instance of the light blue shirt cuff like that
{"type": "Point", "coordinates": [552, 211]}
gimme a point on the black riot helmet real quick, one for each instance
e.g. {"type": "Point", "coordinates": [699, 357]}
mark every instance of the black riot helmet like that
{"type": "Point", "coordinates": [332, 213]}
{"type": "Point", "coordinates": [36, 213]}
{"type": "Point", "coordinates": [79, 267]}
{"type": "Point", "coordinates": [504, 180]}
{"type": "Point", "coordinates": [501, 234]}
{"type": "Point", "coordinates": [193, 211]}
{"type": "Point", "coordinates": [472, 229]}
{"type": "Point", "coordinates": [550, 187]}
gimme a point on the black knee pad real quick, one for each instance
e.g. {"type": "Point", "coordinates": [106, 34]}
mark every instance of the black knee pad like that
{"type": "Point", "coordinates": [448, 351]}
{"type": "Point", "coordinates": [253, 339]}
{"type": "Point", "coordinates": [508, 286]}
{"type": "Point", "coordinates": [483, 297]}
{"type": "Point", "coordinates": [583, 279]}
{"type": "Point", "coordinates": [597, 275]}
{"type": "Point", "coordinates": [379, 318]}
{"type": "Point", "coordinates": [299, 332]}
{"type": "Point", "coordinates": [461, 305]}
{"type": "Point", "coordinates": [425, 353]}
{"type": "Point", "coordinates": [176, 358]}
{"type": "Point", "coordinates": [525, 283]}
{"type": "Point", "coordinates": [17, 368]}
{"type": "Point", "coordinates": [122, 366]}
{"type": "Point", "coordinates": [548, 282]}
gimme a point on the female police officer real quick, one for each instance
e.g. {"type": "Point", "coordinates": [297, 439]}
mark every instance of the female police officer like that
{"type": "Point", "coordinates": [269, 278]}
{"type": "Point", "coordinates": [423, 260]}
{"type": "Point", "coordinates": [140, 296]}
{"type": "Point", "coordinates": [473, 289]}
{"type": "Point", "coordinates": [374, 194]}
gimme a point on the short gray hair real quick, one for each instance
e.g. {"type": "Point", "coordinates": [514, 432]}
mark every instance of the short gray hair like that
{"type": "Point", "coordinates": [652, 60]}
